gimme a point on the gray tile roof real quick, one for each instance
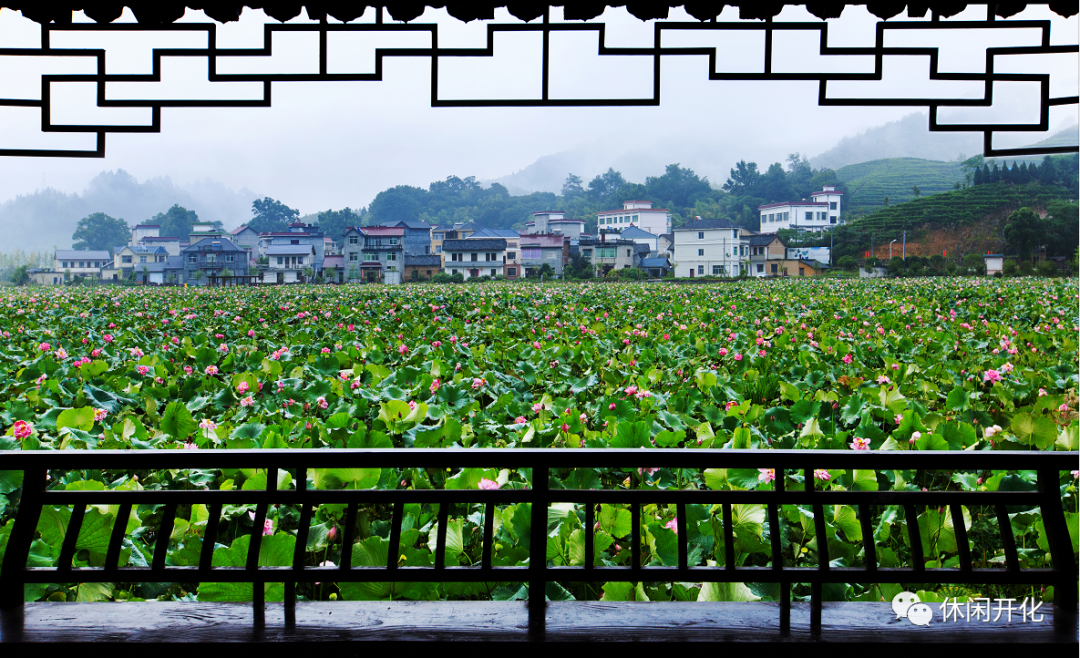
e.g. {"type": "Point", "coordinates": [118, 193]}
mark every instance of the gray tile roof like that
{"type": "Point", "coordinates": [484, 244]}
{"type": "Point", "coordinates": [495, 233]}
{"type": "Point", "coordinates": [764, 239]}
{"type": "Point", "coordinates": [634, 233]}
{"type": "Point", "coordinates": [289, 250]}
{"type": "Point", "coordinates": [82, 254]}
{"type": "Point", "coordinates": [655, 262]}
{"type": "Point", "coordinates": [432, 260]}
{"type": "Point", "coordinates": [706, 225]}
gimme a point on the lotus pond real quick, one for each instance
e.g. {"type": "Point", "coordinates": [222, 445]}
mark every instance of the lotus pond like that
{"type": "Point", "coordinates": [941, 364]}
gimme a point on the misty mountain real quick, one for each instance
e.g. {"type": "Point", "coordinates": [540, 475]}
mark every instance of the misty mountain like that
{"type": "Point", "coordinates": [910, 137]}
{"type": "Point", "coordinates": [45, 219]}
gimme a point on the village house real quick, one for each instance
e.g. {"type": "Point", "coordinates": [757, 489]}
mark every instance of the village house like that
{"type": "Point", "coordinates": [417, 237]}
{"type": "Point", "coordinates": [286, 263]}
{"type": "Point", "coordinates": [171, 244]}
{"type": "Point", "coordinates": [707, 247]}
{"type": "Point", "coordinates": [210, 256]}
{"type": "Point", "coordinates": [635, 213]}
{"type": "Point", "coordinates": [471, 258]}
{"type": "Point", "coordinates": [607, 253]}
{"type": "Point", "coordinates": [85, 263]}
{"type": "Point", "coordinates": [555, 221]}
{"type": "Point", "coordinates": [539, 249]}
{"type": "Point", "coordinates": [820, 213]}
{"type": "Point", "coordinates": [512, 269]}
{"type": "Point", "coordinates": [296, 234]}
{"type": "Point", "coordinates": [766, 252]}
{"type": "Point", "coordinates": [374, 254]}
{"type": "Point", "coordinates": [421, 268]}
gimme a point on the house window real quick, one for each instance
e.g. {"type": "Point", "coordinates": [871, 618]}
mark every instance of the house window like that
{"type": "Point", "coordinates": [474, 257]}
{"type": "Point", "coordinates": [429, 272]}
{"type": "Point", "coordinates": [427, 249]}
{"type": "Point", "coordinates": [294, 242]}
{"type": "Point", "coordinates": [832, 205]}
{"type": "Point", "coordinates": [802, 271]}
{"type": "Point", "coordinates": [455, 257]}
{"type": "Point", "coordinates": [493, 271]}
{"type": "Point", "coordinates": [717, 270]}
{"type": "Point", "coordinates": [280, 260]}
{"type": "Point", "coordinates": [391, 256]}
{"type": "Point", "coordinates": [438, 248]}
{"type": "Point", "coordinates": [775, 270]}
{"type": "Point", "coordinates": [300, 260]}
{"type": "Point", "coordinates": [605, 252]}
{"type": "Point", "coordinates": [701, 269]}
{"type": "Point", "coordinates": [634, 218]}
{"type": "Point", "coordinates": [832, 220]}
{"type": "Point", "coordinates": [511, 271]}
{"type": "Point", "coordinates": [354, 239]}
{"type": "Point", "coordinates": [587, 253]}
{"type": "Point", "coordinates": [761, 268]}
{"type": "Point", "coordinates": [352, 256]}
{"type": "Point", "coordinates": [771, 217]}
{"type": "Point", "coordinates": [192, 258]}
{"type": "Point", "coordinates": [229, 258]}
{"type": "Point", "coordinates": [701, 235]}
{"type": "Point", "coordinates": [511, 256]}
{"type": "Point", "coordinates": [700, 252]}
{"type": "Point", "coordinates": [394, 241]}
{"type": "Point", "coordinates": [371, 257]}
{"type": "Point", "coordinates": [809, 216]}
{"type": "Point", "coordinates": [628, 253]}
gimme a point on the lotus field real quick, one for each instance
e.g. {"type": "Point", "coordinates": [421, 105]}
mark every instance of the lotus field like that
{"type": "Point", "coordinates": [942, 364]}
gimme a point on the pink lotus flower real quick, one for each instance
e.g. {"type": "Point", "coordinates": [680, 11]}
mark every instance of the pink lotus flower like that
{"type": "Point", "coordinates": [822, 474]}
{"type": "Point", "coordinates": [325, 350]}
{"type": "Point", "coordinates": [537, 408]}
{"type": "Point", "coordinates": [188, 369]}
{"type": "Point", "coordinates": [723, 351]}
{"type": "Point", "coordinates": [673, 525]}
{"type": "Point", "coordinates": [321, 401]}
{"type": "Point", "coordinates": [611, 407]}
{"type": "Point", "coordinates": [251, 333]}
{"type": "Point", "coordinates": [738, 357]}
{"type": "Point", "coordinates": [477, 382]}
{"type": "Point", "coordinates": [207, 424]}
{"type": "Point", "coordinates": [190, 446]}
{"type": "Point", "coordinates": [860, 444]}
{"type": "Point", "coordinates": [211, 370]}
{"type": "Point", "coordinates": [402, 349]}
{"type": "Point", "coordinates": [108, 338]}
{"type": "Point", "coordinates": [242, 387]}
{"type": "Point", "coordinates": [766, 474]}
{"type": "Point", "coordinates": [99, 414]}
{"type": "Point", "coordinates": [487, 484]}
{"type": "Point", "coordinates": [883, 380]}
{"type": "Point", "coordinates": [899, 418]}
{"type": "Point", "coordinates": [436, 344]}
{"type": "Point", "coordinates": [142, 370]}
{"type": "Point", "coordinates": [22, 429]}
{"type": "Point", "coordinates": [247, 402]}
{"type": "Point", "coordinates": [847, 359]}
{"type": "Point", "coordinates": [434, 386]}
{"type": "Point", "coordinates": [536, 345]}
{"type": "Point", "coordinates": [44, 347]}
{"type": "Point", "coordinates": [520, 419]}
{"type": "Point", "coordinates": [991, 376]}
{"type": "Point", "coordinates": [95, 353]}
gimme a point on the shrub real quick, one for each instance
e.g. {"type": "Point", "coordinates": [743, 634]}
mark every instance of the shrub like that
{"type": "Point", "coordinates": [1010, 268]}
{"type": "Point", "coordinates": [1047, 269]}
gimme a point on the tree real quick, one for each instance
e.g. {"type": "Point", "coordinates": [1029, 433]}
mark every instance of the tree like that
{"type": "Point", "coordinates": [972, 168]}
{"type": "Point", "coordinates": [916, 191]}
{"type": "Point", "coordinates": [100, 232]}
{"type": "Point", "coordinates": [271, 215]}
{"type": "Point", "coordinates": [580, 267]}
{"type": "Point", "coordinates": [334, 223]}
{"type": "Point", "coordinates": [546, 271]}
{"type": "Point", "coordinates": [1062, 228]}
{"type": "Point", "coordinates": [846, 262]}
{"type": "Point", "coordinates": [572, 186]}
{"type": "Point", "coordinates": [1024, 232]}
{"type": "Point", "coordinates": [682, 187]}
{"type": "Point", "coordinates": [20, 276]}
{"type": "Point", "coordinates": [743, 180]}
{"type": "Point", "coordinates": [177, 222]}
{"type": "Point", "coordinates": [145, 274]}
{"type": "Point", "coordinates": [886, 200]}
{"type": "Point", "coordinates": [605, 185]}
{"type": "Point", "coordinates": [396, 204]}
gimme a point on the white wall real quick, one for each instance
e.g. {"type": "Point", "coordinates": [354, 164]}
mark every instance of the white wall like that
{"type": "Point", "coordinates": [721, 247]}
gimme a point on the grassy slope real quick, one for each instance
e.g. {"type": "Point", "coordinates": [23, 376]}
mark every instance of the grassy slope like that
{"type": "Point", "coordinates": [870, 182]}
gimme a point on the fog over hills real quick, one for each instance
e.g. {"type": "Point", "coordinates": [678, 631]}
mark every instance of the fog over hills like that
{"type": "Point", "coordinates": [46, 218]}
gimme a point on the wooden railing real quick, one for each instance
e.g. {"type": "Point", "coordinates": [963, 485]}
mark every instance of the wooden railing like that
{"type": "Point", "coordinates": [537, 574]}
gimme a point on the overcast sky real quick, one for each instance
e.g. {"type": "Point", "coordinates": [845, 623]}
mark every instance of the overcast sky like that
{"type": "Point", "coordinates": [334, 144]}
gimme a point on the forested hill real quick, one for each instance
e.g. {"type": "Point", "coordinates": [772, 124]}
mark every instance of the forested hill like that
{"type": "Point", "coordinates": [873, 185]}
{"type": "Point", "coordinates": [678, 189]}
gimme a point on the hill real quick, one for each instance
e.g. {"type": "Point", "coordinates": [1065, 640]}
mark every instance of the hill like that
{"type": "Point", "coordinates": [909, 137]}
{"type": "Point", "coordinates": [870, 182]}
{"type": "Point", "coordinates": [54, 215]}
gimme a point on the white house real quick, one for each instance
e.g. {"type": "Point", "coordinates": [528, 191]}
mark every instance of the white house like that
{"type": "Point", "coordinates": [820, 213]}
{"type": "Point", "coordinates": [555, 221]}
{"type": "Point", "coordinates": [480, 257]}
{"type": "Point", "coordinates": [710, 247]}
{"type": "Point", "coordinates": [140, 231]}
{"type": "Point", "coordinates": [635, 213]}
{"type": "Point", "coordinates": [287, 262]}
{"type": "Point", "coordinates": [81, 262]}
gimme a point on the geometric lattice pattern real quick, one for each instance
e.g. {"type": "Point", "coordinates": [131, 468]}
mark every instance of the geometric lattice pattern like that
{"type": "Point", "coordinates": [131, 101]}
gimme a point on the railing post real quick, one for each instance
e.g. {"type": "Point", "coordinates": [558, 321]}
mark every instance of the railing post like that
{"type": "Point", "coordinates": [12, 592]}
{"type": "Point", "coordinates": [538, 553]}
{"type": "Point", "coordinates": [1061, 550]}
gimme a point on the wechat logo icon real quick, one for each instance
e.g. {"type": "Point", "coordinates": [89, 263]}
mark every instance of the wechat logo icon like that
{"type": "Point", "coordinates": [908, 606]}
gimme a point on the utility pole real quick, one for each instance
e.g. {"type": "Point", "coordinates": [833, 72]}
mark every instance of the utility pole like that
{"type": "Point", "coordinates": [872, 246]}
{"type": "Point", "coordinates": [831, 245]}
{"type": "Point", "coordinates": [905, 245]}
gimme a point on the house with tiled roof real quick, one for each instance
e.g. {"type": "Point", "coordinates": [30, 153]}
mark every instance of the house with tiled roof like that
{"type": "Point", "coordinates": [417, 237]}
{"type": "Point", "coordinates": [637, 213]}
{"type": "Point", "coordinates": [472, 258]}
{"type": "Point", "coordinates": [766, 252]}
{"type": "Point", "coordinates": [512, 270]}
{"type": "Point", "coordinates": [421, 268]}
{"type": "Point", "coordinates": [821, 212]}
{"type": "Point", "coordinates": [374, 254]}
{"type": "Point", "coordinates": [710, 247]}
